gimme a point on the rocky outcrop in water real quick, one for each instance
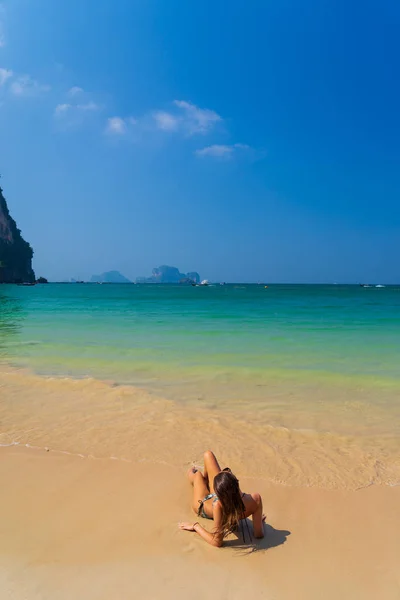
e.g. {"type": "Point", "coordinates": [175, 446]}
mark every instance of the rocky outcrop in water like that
{"type": "Point", "coordinates": [110, 277]}
{"type": "Point", "coordinates": [166, 274]}
{"type": "Point", "coordinates": [15, 253]}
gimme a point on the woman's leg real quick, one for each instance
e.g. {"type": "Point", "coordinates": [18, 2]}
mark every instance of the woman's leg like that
{"type": "Point", "coordinates": [200, 489]}
{"type": "Point", "coordinates": [211, 468]}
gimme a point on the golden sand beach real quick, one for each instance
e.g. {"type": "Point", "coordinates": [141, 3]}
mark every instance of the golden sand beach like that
{"type": "Point", "coordinates": [97, 529]}
{"type": "Point", "coordinates": [92, 491]}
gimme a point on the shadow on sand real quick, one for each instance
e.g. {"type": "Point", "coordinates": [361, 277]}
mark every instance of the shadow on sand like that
{"type": "Point", "coordinates": [247, 543]}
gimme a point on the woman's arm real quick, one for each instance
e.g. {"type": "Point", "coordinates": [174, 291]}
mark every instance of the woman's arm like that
{"type": "Point", "coordinates": [212, 538]}
{"type": "Point", "coordinates": [216, 538]}
{"type": "Point", "coordinates": [258, 517]}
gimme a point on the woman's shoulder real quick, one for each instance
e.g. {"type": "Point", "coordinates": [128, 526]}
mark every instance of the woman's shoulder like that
{"type": "Point", "coordinates": [256, 497]}
{"type": "Point", "coordinates": [252, 500]}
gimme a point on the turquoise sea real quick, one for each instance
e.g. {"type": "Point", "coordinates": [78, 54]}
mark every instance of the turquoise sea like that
{"type": "Point", "coordinates": [303, 357]}
{"type": "Point", "coordinates": [132, 333]}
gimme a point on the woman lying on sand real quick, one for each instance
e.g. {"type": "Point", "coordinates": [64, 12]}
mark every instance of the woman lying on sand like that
{"type": "Point", "coordinates": [216, 495]}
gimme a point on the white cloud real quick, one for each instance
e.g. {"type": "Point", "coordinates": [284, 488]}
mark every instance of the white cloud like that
{"type": "Point", "coordinates": [73, 115]}
{"type": "Point", "coordinates": [189, 118]}
{"type": "Point", "coordinates": [221, 150]}
{"type": "Point", "coordinates": [197, 120]}
{"type": "Point", "coordinates": [183, 119]}
{"type": "Point", "coordinates": [75, 90]}
{"type": "Point", "coordinates": [217, 150]}
{"type": "Point", "coordinates": [5, 74]}
{"type": "Point", "coordinates": [67, 108]}
{"type": "Point", "coordinates": [166, 121]}
{"type": "Point", "coordinates": [26, 86]}
{"type": "Point", "coordinates": [119, 125]}
{"type": "Point", "coordinates": [116, 126]}
{"type": "Point", "coordinates": [88, 106]}
{"type": "Point", "coordinates": [62, 109]}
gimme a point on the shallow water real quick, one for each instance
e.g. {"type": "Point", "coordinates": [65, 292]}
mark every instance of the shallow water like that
{"type": "Point", "coordinates": [306, 377]}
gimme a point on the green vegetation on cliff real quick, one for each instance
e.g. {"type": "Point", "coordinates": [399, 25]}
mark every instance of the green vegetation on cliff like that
{"type": "Point", "coordinates": [15, 253]}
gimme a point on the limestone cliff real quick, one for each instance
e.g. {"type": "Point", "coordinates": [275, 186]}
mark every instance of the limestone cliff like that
{"type": "Point", "coordinates": [15, 253]}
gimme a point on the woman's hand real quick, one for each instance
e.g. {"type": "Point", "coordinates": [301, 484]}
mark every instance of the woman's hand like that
{"type": "Point", "coordinates": [187, 526]}
{"type": "Point", "coordinates": [211, 538]}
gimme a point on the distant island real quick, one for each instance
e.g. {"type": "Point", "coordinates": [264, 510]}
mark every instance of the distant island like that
{"type": "Point", "coordinates": [15, 253]}
{"type": "Point", "coordinates": [166, 274]}
{"type": "Point", "coordinates": [16, 260]}
{"type": "Point", "coordinates": [110, 277]}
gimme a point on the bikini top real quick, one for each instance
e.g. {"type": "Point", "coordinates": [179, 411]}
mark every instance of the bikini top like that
{"type": "Point", "coordinates": [201, 511]}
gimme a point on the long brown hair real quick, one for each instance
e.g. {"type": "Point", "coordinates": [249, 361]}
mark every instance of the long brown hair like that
{"type": "Point", "coordinates": [226, 486]}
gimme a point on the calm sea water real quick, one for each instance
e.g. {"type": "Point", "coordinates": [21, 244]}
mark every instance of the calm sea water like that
{"type": "Point", "coordinates": [280, 367]}
{"type": "Point", "coordinates": [123, 332]}
{"type": "Point", "coordinates": [224, 339]}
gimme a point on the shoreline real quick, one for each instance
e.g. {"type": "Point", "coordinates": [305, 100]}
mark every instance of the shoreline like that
{"type": "Point", "coordinates": [88, 417]}
{"type": "Point", "coordinates": [94, 529]}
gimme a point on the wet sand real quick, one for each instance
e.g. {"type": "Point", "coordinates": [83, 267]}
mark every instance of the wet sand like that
{"type": "Point", "coordinates": [95, 418]}
{"type": "Point", "coordinates": [94, 529]}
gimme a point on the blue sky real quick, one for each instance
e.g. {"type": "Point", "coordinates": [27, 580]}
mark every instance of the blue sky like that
{"type": "Point", "coordinates": [251, 141]}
